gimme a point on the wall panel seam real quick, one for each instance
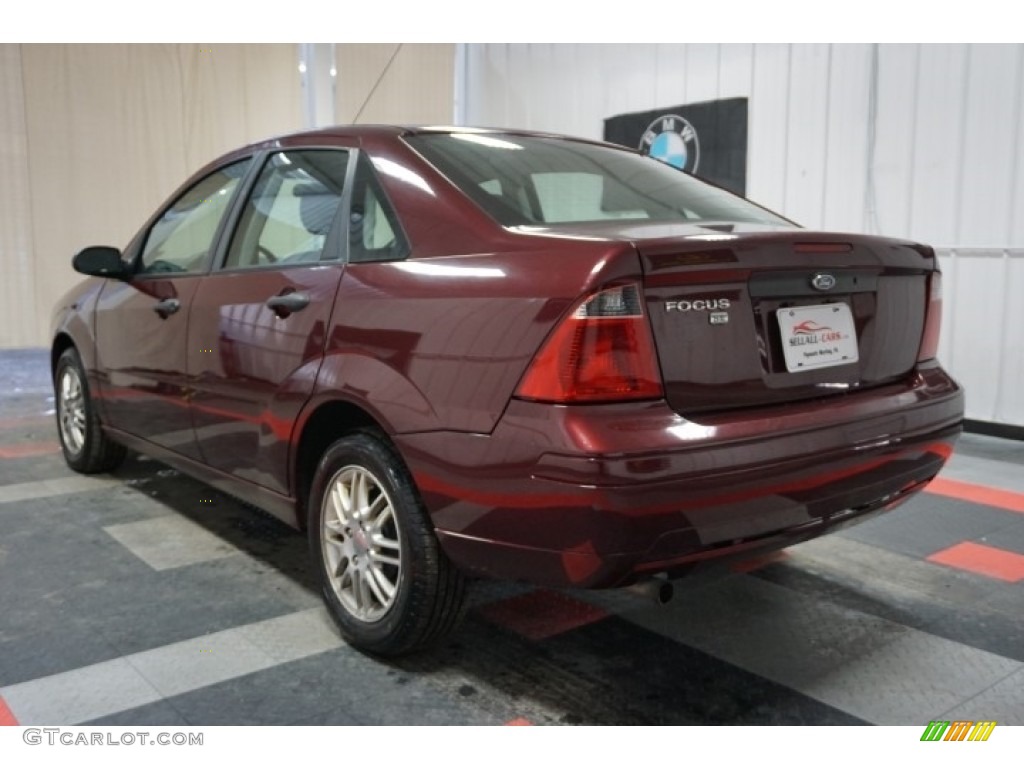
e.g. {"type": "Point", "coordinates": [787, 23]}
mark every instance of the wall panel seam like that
{"type": "Point", "coordinates": [828, 138]}
{"type": "Point", "coordinates": [958, 186]}
{"type": "Point", "coordinates": [912, 172]}
{"type": "Point", "coordinates": [30, 202]}
{"type": "Point", "coordinates": [1018, 167]}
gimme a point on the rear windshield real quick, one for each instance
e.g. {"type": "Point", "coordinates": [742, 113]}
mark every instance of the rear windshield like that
{"type": "Point", "coordinates": [530, 180]}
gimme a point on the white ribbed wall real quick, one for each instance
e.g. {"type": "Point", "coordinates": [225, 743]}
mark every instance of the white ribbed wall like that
{"type": "Point", "coordinates": [919, 141]}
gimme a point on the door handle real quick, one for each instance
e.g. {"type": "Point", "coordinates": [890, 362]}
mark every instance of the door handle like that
{"type": "Point", "coordinates": [284, 304]}
{"type": "Point", "coordinates": [167, 307]}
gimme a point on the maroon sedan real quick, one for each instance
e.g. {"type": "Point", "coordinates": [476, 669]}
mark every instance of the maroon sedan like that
{"type": "Point", "coordinates": [453, 352]}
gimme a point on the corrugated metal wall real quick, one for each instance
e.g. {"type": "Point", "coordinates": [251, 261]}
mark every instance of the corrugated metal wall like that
{"type": "Point", "coordinates": [94, 137]}
{"type": "Point", "coordinates": [18, 286]}
{"type": "Point", "coordinates": [405, 83]}
{"type": "Point", "coordinates": [919, 141]}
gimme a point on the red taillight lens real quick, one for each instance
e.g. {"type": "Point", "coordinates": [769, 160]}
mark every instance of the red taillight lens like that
{"type": "Point", "coordinates": [602, 351]}
{"type": "Point", "coordinates": [932, 319]}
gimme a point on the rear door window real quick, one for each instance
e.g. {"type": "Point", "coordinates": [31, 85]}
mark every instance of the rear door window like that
{"type": "Point", "coordinates": [291, 210]}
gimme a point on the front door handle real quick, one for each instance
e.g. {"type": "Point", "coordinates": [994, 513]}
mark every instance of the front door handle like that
{"type": "Point", "coordinates": [284, 304]}
{"type": "Point", "coordinates": [167, 307]}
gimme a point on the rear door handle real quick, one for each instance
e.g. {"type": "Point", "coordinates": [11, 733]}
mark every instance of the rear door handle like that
{"type": "Point", "coordinates": [284, 304]}
{"type": "Point", "coordinates": [167, 307]}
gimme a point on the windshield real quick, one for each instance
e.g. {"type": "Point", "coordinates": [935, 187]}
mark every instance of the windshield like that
{"type": "Point", "coordinates": [532, 180]}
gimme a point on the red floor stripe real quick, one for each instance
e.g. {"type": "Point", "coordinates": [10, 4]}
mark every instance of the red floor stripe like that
{"type": "Point", "coordinates": [21, 450]}
{"type": "Point", "coordinates": [6, 716]}
{"type": "Point", "coordinates": [25, 421]}
{"type": "Point", "coordinates": [978, 494]}
{"type": "Point", "coordinates": [541, 614]}
{"type": "Point", "coordinates": [519, 721]}
{"type": "Point", "coordinates": [979, 558]}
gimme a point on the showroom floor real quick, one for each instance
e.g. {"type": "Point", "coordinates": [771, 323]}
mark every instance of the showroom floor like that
{"type": "Point", "coordinates": [145, 598]}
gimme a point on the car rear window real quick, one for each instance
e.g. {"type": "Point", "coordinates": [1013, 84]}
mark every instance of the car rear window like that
{"type": "Point", "coordinates": [522, 180]}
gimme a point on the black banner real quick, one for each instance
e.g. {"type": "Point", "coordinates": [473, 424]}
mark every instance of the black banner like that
{"type": "Point", "coordinates": [708, 139]}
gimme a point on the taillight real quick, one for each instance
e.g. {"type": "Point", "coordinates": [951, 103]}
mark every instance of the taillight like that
{"type": "Point", "coordinates": [932, 320]}
{"type": "Point", "coordinates": [602, 351]}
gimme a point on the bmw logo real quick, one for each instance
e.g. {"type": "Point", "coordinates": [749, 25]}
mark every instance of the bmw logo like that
{"type": "Point", "coordinates": [672, 140]}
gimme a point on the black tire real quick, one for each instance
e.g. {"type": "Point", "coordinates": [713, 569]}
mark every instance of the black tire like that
{"type": "Point", "coordinates": [86, 448]}
{"type": "Point", "coordinates": [429, 594]}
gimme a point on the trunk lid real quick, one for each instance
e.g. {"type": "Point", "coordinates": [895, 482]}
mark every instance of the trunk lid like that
{"type": "Point", "coordinates": [750, 318]}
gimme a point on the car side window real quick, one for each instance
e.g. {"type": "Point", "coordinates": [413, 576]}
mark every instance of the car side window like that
{"type": "Point", "coordinates": [374, 233]}
{"type": "Point", "coordinates": [290, 211]}
{"type": "Point", "coordinates": [181, 239]}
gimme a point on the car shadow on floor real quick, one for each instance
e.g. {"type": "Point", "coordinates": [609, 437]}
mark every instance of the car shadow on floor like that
{"type": "Point", "coordinates": [248, 529]}
{"type": "Point", "coordinates": [608, 671]}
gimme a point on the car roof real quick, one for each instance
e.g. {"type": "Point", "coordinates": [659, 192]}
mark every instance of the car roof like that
{"type": "Point", "coordinates": [395, 131]}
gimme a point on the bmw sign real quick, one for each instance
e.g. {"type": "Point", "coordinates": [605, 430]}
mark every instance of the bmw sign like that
{"type": "Point", "coordinates": [673, 140]}
{"type": "Point", "coordinates": [707, 139]}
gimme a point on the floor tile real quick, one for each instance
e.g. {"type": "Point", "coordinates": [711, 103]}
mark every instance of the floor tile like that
{"type": "Point", "coordinates": [171, 541]}
{"type": "Point", "coordinates": [981, 559]}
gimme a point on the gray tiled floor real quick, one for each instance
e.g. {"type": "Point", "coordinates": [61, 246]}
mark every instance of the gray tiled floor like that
{"type": "Point", "coordinates": [931, 523]}
{"type": "Point", "coordinates": [146, 598]}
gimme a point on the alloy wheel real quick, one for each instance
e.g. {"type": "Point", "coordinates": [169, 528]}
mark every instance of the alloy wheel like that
{"type": "Point", "coordinates": [361, 543]}
{"type": "Point", "coordinates": [71, 410]}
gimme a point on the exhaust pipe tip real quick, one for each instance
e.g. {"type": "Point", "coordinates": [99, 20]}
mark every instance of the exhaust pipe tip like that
{"type": "Point", "coordinates": [664, 591]}
{"type": "Point", "coordinates": [659, 590]}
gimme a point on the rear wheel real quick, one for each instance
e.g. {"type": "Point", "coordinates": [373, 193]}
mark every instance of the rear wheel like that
{"type": "Point", "coordinates": [383, 575]}
{"type": "Point", "coordinates": [86, 448]}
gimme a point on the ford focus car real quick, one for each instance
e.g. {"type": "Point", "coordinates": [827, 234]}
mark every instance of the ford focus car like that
{"type": "Point", "coordinates": [455, 353]}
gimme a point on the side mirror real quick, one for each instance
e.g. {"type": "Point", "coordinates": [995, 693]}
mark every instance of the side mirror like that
{"type": "Point", "coordinates": [100, 261]}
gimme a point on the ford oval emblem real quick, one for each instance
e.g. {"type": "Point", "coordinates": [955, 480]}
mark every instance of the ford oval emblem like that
{"type": "Point", "coordinates": [824, 281]}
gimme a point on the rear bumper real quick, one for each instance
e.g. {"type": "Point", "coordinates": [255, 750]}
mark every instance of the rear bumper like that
{"type": "Point", "coordinates": [598, 496]}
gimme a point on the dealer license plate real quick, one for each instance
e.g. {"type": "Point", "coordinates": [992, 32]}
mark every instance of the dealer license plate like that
{"type": "Point", "coordinates": [818, 336]}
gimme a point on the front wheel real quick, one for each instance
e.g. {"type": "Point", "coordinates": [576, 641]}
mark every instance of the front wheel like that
{"type": "Point", "coordinates": [388, 585]}
{"type": "Point", "coordinates": [86, 448]}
